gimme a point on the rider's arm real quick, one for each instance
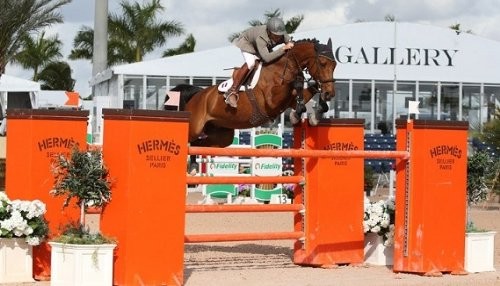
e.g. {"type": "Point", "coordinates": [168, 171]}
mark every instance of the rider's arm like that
{"type": "Point", "coordinates": [264, 53]}
{"type": "Point", "coordinates": [287, 38]}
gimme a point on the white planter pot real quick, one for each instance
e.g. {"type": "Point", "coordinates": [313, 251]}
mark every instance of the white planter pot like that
{"type": "Point", "coordinates": [16, 261]}
{"type": "Point", "coordinates": [376, 253]}
{"type": "Point", "coordinates": [79, 265]}
{"type": "Point", "coordinates": [479, 251]}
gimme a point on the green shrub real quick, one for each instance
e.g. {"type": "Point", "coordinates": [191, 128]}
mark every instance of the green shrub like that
{"type": "Point", "coordinates": [368, 179]}
{"type": "Point", "coordinates": [481, 170]}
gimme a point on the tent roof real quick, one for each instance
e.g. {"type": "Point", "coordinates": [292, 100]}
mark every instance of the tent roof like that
{"type": "Point", "coordinates": [363, 51]}
{"type": "Point", "coordinates": [214, 62]}
{"type": "Point", "coordinates": [11, 83]}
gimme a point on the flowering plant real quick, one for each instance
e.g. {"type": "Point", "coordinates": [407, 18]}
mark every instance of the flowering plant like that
{"type": "Point", "coordinates": [288, 189]}
{"type": "Point", "coordinates": [23, 219]}
{"type": "Point", "coordinates": [244, 190]}
{"type": "Point", "coordinates": [379, 219]}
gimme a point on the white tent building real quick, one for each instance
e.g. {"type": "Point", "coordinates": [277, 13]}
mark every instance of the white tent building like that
{"type": "Point", "coordinates": [18, 92]}
{"type": "Point", "coordinates": [381, 66]}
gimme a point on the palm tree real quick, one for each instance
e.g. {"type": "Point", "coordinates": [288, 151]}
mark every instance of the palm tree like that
{"type": "Point", "coordinates": [291, 24]}
{"type": "Point", "coordinates": [56, 76]}
{"type": "Point", "coordinates": [131, 35]}
{"type": "Point", "coordinates": [83, 44]}
{"type": "Point", "coordinates": [84, 48]}
{"type": "Point", "coordinates": [37, 53]}
{"type": "Point", "coordinates": [456, 28]}
{"type": "Point", "coordinates": [184, 48]}
{"type": "Point", "coordinates": [21, 17]}
{"type": "Point", "coordinates": [389, 18]}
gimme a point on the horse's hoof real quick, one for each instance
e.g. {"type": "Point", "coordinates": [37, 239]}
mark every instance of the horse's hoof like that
{"type": "Point", "coordinates": [294, 118]}
{"type": "Point", "coordinates": [301, 108]}
{"type": "Point", "coordinates": [313, 120]}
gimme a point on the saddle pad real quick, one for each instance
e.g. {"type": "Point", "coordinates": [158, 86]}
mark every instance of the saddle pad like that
{"type": "Point", "coordinates": [226, 85]}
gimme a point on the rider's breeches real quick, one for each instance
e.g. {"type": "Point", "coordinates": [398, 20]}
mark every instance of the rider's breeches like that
{"type": "Point", "coordinates": [250, 59]}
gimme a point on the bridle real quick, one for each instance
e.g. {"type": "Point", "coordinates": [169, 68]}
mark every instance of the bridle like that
{"type": "Point", "coordinates": [316, 65]}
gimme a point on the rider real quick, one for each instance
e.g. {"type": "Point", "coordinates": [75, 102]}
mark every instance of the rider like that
{"type": "Point", "coordinates": [257, 43]}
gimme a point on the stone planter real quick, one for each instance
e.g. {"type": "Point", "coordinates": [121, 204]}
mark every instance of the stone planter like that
{"type": "Point", "coordinates": [479, 251]}
{"type": "Point", "coordinates": [376, 253]}
{"type": "Point", "coordinates": [79, 265]}
{"type": "Point", "coordinates": [16, 261]}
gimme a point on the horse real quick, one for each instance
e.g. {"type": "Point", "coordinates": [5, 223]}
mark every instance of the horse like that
{"type": "Point", "coordinates": [280, 86]}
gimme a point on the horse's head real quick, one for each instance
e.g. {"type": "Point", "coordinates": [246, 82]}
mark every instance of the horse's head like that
{"type": "Point", "coordinates": [318, 59]}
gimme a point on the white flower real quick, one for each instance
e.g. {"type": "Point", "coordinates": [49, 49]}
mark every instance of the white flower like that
{"type": "Point", "coordinates": [23, 219]}
{"type": "Point", "coordinates": [373, 220]}
{"type": "Point", "coordinates": [36, 209]}
{"type": "Point", "coordinates": [385, 220]}
{"type": "Point", "coordinates": [33, 240]}
{"type": "Point", "coordinates": [377, 219]}
{"type": "Point", "coordinates": [375, 229]}
{"type": "Point", "coordinates": [367, 202]}
{"type": "Point", "coordinates": [3, 197]}
{"type": "Point", "coordinates": [377, 209]}
{"type": "Point", "coordinates": [366, 227]}
{"type": "Point", "coordinates": [390, 204]}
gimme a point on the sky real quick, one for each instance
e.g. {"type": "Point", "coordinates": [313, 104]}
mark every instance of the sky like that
{"type": "Point", "coordinates": [212, 21]}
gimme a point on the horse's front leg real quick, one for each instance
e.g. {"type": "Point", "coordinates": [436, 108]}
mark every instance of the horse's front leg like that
{"type": "Point", "coordinates": [298, 107]}
{"type": "Point", "coordinates": [299, 104]}
{"type": "Point", "coordinates": [318, 112]}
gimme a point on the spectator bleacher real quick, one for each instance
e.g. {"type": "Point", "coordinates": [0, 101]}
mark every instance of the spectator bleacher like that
{"type": "Point", "coordinates": [479, 145]}
{"type": "Point", "coordinates": [287, 143]}
{"type": "Point", "coordinates": [380, 142]}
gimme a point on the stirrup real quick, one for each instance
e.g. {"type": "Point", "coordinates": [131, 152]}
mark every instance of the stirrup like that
{"type": "Point", "coordinates": [228, 101]}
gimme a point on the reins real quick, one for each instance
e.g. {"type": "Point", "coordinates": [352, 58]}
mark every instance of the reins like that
{"type": "Point", "coordinates": [300, 69]}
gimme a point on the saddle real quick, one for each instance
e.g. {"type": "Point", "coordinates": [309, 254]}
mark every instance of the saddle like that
{"type": "Point", "coordinates": [254, 78]}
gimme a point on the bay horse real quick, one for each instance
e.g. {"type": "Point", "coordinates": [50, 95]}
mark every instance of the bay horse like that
{"type": "Point", "coordinates": [280, 86]}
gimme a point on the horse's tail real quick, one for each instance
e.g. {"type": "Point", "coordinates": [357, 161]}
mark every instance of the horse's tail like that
{"type": "Point", "coordinates": [187, 92]}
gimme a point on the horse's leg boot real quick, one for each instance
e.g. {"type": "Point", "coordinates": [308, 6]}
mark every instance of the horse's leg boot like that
{"type": "Point", "coordinates": [232, 94]}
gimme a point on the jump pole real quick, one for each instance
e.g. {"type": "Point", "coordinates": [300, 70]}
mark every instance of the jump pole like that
{"type": "Point", "coordinates": [324, 240]}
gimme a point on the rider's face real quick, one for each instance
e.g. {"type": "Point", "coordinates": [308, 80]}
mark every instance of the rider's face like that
{"type": "Point", "coordinates": [275, 38]}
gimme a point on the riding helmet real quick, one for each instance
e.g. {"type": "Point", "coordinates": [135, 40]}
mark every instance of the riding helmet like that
{"type": "Point", "coordinates": [276, 26]}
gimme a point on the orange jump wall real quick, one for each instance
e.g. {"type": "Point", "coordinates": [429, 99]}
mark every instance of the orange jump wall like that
{"type": "Point", "coordinates": [431, 197]}
{"type": "Point", "coordinates": [34, 137]}
{"type": "Point", "coordinates": [146, 153]}
{"type": "Point", "coordinates": [333, 195]}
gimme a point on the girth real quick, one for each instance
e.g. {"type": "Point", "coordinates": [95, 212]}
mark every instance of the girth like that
{"type": "Point", "coordinates": [257, 117]}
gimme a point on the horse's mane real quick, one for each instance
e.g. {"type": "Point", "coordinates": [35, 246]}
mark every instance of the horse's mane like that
{"type": "Point", "coordinates": [183, 87]}
{"type": "Point", "coordinates": [322, 49]}
{"type": "Point", "coordinates": [312, 41]}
